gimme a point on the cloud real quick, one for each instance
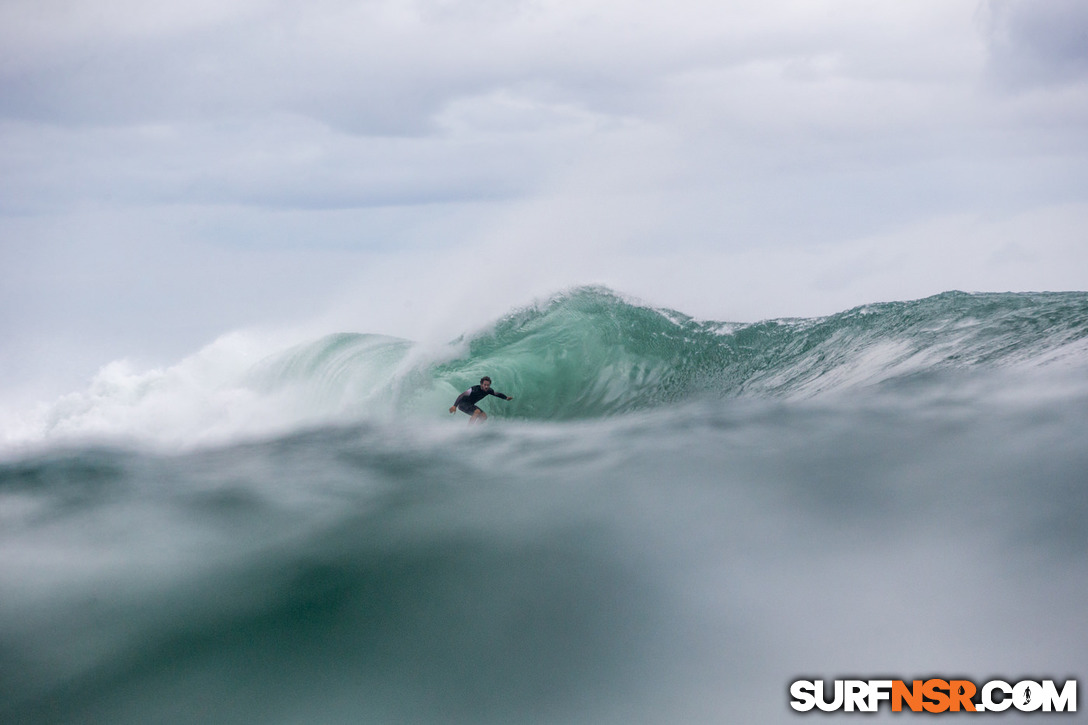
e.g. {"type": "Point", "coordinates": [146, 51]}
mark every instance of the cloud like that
{"type": "Point", "coordinates": [1033, 43]}
{"type": "Point", "coordinates": [345, 104]}
{"type": "Point", "coordinates": [388, 67]}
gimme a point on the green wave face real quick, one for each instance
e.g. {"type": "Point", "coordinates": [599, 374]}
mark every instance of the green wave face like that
{"type": "Point", "coordinates": [589, 353]}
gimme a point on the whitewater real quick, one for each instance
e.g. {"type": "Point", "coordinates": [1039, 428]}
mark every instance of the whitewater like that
{"type": "Point", "coordinates": [673, 520]}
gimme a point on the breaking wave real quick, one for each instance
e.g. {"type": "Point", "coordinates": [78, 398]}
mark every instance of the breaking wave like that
{"type": "Point", "coordinates": [585, 354]}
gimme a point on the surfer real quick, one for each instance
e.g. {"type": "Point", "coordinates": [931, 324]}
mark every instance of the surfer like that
{"type": "Point", "coordinates": [466, 401]}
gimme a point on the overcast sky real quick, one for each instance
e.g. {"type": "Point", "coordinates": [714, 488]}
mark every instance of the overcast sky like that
{"type": "Point", "coordinates": [175, 170]}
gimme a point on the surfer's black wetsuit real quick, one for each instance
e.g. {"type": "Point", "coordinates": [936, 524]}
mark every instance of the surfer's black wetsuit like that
{"type": "Point", "coordinates": [466, 401]}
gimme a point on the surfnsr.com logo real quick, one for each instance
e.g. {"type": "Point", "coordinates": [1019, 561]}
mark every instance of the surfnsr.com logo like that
{"type": "Point", "coordinates": [934, 696]}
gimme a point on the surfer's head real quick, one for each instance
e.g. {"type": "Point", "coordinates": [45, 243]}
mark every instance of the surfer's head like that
{"type": "Point", "coordinates": [485, 383]}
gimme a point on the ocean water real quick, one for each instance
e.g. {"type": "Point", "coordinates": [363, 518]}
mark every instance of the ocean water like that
{"type": "Point", "coordinates": [672, 521]}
